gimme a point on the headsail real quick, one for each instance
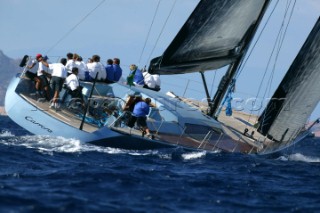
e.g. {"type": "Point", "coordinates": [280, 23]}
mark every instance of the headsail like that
{"type": "Point", "coordinates": [212, 37]}
{"type": "Point", "coordinates": [297, 95]}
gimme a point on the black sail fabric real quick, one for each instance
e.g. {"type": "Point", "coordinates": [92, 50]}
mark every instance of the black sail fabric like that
{"type": "Point", "coordinates": [297, 95]}
{"type": "Point", "coordinates": [211, 38]}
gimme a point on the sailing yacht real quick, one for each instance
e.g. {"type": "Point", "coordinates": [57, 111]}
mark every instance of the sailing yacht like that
{"type": "Point", "coordinates": [217, 34]}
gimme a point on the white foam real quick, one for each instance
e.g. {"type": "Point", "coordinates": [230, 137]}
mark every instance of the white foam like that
{"type": "Point", "coordinates": [303, 158]}
{"type": "Point", "coordinates": [6, 134]}
{"type": "Point", "coordinates": [300, 157]}
{"type": "Point", "coordinates": [283, 158]}
{"type": "Point", "coordinates": [165, 156]}
{"type": "Point", "coordinates": [50, 145]}
{"type": "Point", "coordinates": [193, 155]}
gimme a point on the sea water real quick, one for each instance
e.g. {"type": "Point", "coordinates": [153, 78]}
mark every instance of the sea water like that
{"type": "Point", "coordinates": [45, 174]}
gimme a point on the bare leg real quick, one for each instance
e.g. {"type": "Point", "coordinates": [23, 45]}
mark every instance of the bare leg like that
{"type": "Point", "coordinates": [56, 96]}
{"type": "Point", "coordinates": [38, 83]}
{"type": "Point", "coordinates": [46, 89]}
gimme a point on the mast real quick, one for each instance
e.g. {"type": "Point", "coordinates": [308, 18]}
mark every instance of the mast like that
{"type": "Point", "coordinates": [223, 87]}
{"type": "Point", "coordinates": [233, 68]}
{"type": "Point", "coordinates": [205, 88]}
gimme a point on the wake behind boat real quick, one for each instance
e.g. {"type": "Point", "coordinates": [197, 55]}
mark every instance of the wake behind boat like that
{"type": "Point", "coordinates": [226, 32]}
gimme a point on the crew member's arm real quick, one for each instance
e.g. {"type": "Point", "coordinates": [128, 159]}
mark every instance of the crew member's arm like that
{"type": "Point", "coordinates": [31, 66]}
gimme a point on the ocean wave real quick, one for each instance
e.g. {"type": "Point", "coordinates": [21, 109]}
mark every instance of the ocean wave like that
{"type": "Point", "coordinates": [300, 157]}
{"type": "Point", "coordinates": [50, 145]}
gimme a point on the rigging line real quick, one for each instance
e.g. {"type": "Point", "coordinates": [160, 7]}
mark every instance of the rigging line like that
{"type": "Point", "coordinates": [145, 43]}
{"type": "Point", "coordinates": [281, 39]}
{"type": "Point", "coordinates": [253, 47]}
{"type": "Point", "coordinates": [258, 39]}
{"type": "Point", "coordinates": [213, 80]}
{"type": "Point", "coordinates": [251, 51]}
{"type": "Point", "coordinates": [175, 1]}
{"type": "Point", "coordinates": [289, 4]}
{"type": "Point", "coordinates": [73, 28]}
{"type": "Point", "coordinates": [269, 62]}
{"type": "Point", "coordinates": [278, 40]}
{"type": "Point", "coordinates": [265, 72]}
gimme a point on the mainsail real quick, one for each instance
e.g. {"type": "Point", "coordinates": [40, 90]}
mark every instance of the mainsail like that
{"type": "Point", "coordinates": [212, 37]}
{"type": "Point", "coordinates": [297, 95]}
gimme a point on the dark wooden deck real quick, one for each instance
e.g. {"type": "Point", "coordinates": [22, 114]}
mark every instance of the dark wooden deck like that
{"type": "Point", "coordinates": [62, 114]}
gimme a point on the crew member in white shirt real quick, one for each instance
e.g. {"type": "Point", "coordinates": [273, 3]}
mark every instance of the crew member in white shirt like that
{"type": "Point", "coordinates": [42, 75]}
{"type": "Point", "coordinates": [73, 84]}
{"type": "Point", "coordinates": [59, 74]}
{"type": "Point", "coordinates": [82, 68]}
{"type": "Point", "coordinates": [96, 67]}
{"type": "Point", "coordinates": [151, 81]}
{"type": "Point", "coordinates": [31, 73]}
{"type": "Point", "coordinates": [70, 63]}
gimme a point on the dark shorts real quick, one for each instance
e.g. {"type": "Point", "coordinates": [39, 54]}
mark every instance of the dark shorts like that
{"type": "Point", "coordinates": [157, 88]}
{"type": "Point", "coordinates": [44, 80]}
{"type": "Point", "coordinates": [77, 93]}
{"type": "Point", "coordinates": [56, 83]}
{"type": "Point", "coordinates": [131, 121]}
{"type": "Point", "coordinates": [142, 121]}
{"type": "Point", "coordinates": [30, 75]}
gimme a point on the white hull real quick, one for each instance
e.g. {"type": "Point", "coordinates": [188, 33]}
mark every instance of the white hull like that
{"type": "Point", "coordinates": [176, 124]}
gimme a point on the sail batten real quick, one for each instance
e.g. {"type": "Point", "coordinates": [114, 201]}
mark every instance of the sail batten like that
{"type": "Point", "coordinates": [211, 38]}
{"type": "Point", "coordinates": [297, 95]}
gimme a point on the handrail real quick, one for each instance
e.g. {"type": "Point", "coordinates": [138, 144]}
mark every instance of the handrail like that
{"type": "Point", "coordinates": [121, 116]}
{"type": "Point", "coordinates": [206, 138]}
